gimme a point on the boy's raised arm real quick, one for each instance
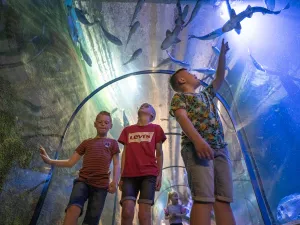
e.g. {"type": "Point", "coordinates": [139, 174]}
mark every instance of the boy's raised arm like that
{"type": "Point", "coordinates": [202, 148]}
{"type": "Point", "coordinates": [60, 163]}
{"type": "Point", "coordinates": [220, 74]}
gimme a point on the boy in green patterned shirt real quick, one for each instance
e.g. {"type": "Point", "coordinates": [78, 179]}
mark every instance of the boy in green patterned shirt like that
{"type": "Point", "coordinates": [204, 150]}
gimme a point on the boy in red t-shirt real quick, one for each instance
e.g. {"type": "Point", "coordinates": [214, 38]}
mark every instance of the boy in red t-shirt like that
{"type": "Point", "coordinates": [93, 182]}
{"type": "Point", "coordinates": [142, 162]}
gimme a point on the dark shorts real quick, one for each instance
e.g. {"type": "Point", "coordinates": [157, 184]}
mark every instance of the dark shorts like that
{"type": "Point", "coordinates": [96, 199]}
{"type": "Point", "coordinates": [176, 224]}
{"type": "Point", "coordinates": [133, 185]}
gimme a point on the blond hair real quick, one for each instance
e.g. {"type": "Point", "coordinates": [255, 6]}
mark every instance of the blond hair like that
{"type": "Point", "coordinates": [170, 195]}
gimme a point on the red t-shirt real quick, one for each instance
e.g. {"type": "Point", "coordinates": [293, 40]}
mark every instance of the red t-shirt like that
{"type": "Point", "coordinates": [140, 144]}
{"type": "Point", "coordinates": [98, 153]}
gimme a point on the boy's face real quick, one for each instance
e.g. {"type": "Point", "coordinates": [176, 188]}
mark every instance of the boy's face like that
{"type": "Point", "coordinates": [103, 124]}
{"type": "Point", "coordinates": [186, 78]}
{"type": "Point", "coordinates": [144, 113]}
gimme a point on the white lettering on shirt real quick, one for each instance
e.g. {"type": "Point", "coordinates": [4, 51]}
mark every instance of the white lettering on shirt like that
{"type": "Point", "coordinates": [140, 136]}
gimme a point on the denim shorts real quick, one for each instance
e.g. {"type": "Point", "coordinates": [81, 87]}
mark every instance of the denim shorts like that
{"type": "Point", "coordinates": [209, 180]}
{"type": "Point", "coordinates": [96, 199]}
{"type": "Point", "coordinates": [131, 186]}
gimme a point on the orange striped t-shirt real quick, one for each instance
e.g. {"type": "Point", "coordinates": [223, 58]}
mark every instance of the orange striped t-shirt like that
{"type": "Point", "coordinates": [97, 155]}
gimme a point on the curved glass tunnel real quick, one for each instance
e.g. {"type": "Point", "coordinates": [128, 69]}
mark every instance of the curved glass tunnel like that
{"type": "Point", "coordinates": [45, 74]}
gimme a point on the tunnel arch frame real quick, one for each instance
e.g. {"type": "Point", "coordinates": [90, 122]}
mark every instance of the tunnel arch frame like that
{"type": "Point", "coordinates": [249, 159]}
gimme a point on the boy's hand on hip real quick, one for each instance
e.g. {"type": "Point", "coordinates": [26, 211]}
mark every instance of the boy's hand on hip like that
{"type": "Point", "coordinates": [203, 150]}
{"type": "Point", "coordinates": [158, 183]}
{"type": "Point", "coordinates": [112, 187]}
{"type": "Point", "coordinates": [44, 155]}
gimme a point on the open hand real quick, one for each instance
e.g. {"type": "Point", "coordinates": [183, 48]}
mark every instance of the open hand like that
{"type": "Point", "coordinates": [44, 155]}
{"type": "Point", "coordinates": [112, 187]}
{"type": "Point", "coordinates": [224, 48]}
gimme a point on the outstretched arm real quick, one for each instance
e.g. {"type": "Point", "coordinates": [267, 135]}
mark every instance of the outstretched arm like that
{"type": "Point", "coordinates": [116, 174]}
{"type": "Point", "coordinates": [220, 74]}
{"type": "Point", "coordinates": [60, 163]}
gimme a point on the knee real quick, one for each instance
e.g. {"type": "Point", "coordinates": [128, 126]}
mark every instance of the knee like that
{"type": "Point", "coordinates": [74, 210]}
{"type": "Point", "coordinates": [127, 212]}
{"type": "Point", "coordinates": [144, 214]}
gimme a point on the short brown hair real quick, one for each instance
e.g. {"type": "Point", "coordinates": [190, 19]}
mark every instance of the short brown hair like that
{"type": "Point", "coordinates": [173, 80]}
{"type": "Point", "coordinates": [104, 113]}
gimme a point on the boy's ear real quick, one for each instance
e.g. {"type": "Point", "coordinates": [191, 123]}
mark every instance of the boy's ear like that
{"type": "Point", "coordinates": [181, 80]}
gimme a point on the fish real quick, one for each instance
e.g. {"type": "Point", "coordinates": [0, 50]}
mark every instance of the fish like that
{"type": "Point", "coordinates": [255, 63]}
{"type": "Point", "coordinates": [82, 18]}
{"type": "Point", "coordinates": [137, 9]}
{"type": "Point", "coordinates": [178, 62]}
{"type": "Point", "coordinates": [125, 120]}
{"type": "Point", "coordinates": [270, 4]}
{"type": "Point", "coordinates": [33, 108]}
{"type": "Point", "coordinates": [171, 38]}
{"type": "Point", "coordinates": [206, 71]}
{"type": "Point", "coordinates": [133, 29]}
{"type": "Point", "coordinates": [72, 29]}
{"type": "Point", "coordinates": [114, 110]}
{"type": "Point", "coordinates": [182, 16]}
{"type": "Point", "coordinates": [164, 62]}
{"type": "Point", "coordinates": [134, 56]}
{"type": "Point", "coordinates": [38, 39]}
{"type": "Point", "coordinates": [195, 11]}
{"type": "Point", "coordinates": [85, 56]}
{"type": "Point", "coordinates": [214, 34]}
{"type": "Point", "coordinates": [247, 13]}
{"type": "Point", "coordinates": [258, 9]}
{"type": "Point", "coordinates": [215, 50]}
{"type": "Point", "coordinates": [179, 20]}
{"type": "Point", "coordinates": [113, 39]}
{"type": "Point", "coordinates": [185, 11]}
{"type": "Point", "coordinates": [288, 209]}
{"type": "Point", "coordinates": [232, 14]}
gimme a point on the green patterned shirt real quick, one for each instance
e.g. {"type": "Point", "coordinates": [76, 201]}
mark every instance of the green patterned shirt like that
{"type": "Point", "coordinates": [202, 112]}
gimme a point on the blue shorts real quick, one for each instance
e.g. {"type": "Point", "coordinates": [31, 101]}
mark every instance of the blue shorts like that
{"type": "Point", "coordinates": [96, 196]}
{"type": "Point", "coordinates": [131, 186]}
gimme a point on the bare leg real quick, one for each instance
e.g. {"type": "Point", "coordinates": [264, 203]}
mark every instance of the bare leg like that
{"type": "Point", "coordinates": [72, 215]}
{"type": "Point", "coordinates": [223, 212]}
{"type": "Point", "coordinates": [127, 212]}
{"type": "Point", "coordinates": [200, 213]}
{"type": "Point", "coordinates": [145, 214]}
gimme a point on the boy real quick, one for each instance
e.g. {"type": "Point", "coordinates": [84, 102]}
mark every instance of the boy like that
{"type": "Point", "coordinates": [203, 148]}
{"type": "Point", "coordinates": [93, 181]}
{"type": "Point", "coordinates": [141, 166]}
